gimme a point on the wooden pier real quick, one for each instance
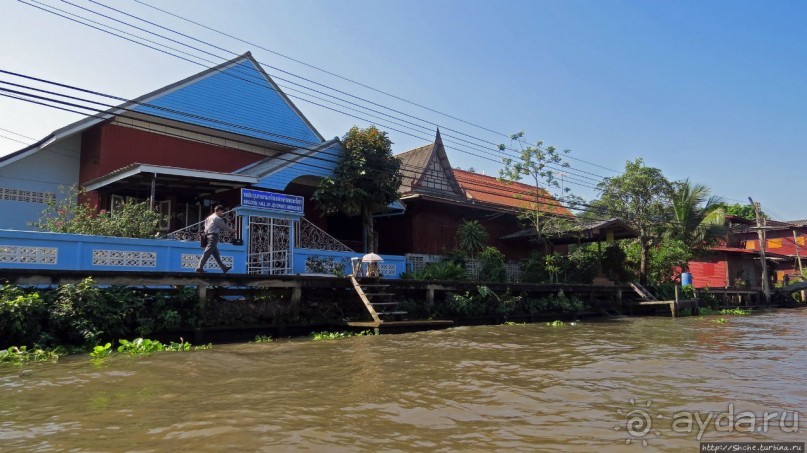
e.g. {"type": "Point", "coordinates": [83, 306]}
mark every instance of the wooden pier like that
{"type": "Point", "coordinates": [296, 303]}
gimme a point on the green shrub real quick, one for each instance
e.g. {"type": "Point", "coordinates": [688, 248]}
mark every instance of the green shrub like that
{"type": "Point", "coordinates": [81, 314]}
{"type": "Point", "coordinates": [554, 303]}
{"type": "Point", "coordinates": [85, 314]}
{"type": "Point", "coordinates": [69, 215]}
{"type": "Point", "coordinates": [580, 266]}
{"type": "Point", "coordinates": [442, 270]}
{"type": "Point", "coordinates": [491, 262]}
{"type": "Point", "coordinates": [534, 270]}
{"type": "Point", "coordinates": [22, 316]}
{"type": "Point", "coordinates": [483, 303]}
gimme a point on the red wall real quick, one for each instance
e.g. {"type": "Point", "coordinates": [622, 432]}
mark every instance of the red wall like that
{"type": "Point", "coordinates": [431, 228]}
{"type": "Point", "coordinates": [780, 241]}
{"type": "Point", "coordinates": [709, 272]}
{"type": "Point", "coordinates": [108, 147]}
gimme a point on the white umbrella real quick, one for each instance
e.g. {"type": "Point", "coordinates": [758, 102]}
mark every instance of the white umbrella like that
{"type": "Point", "coordinates": [371, 258]}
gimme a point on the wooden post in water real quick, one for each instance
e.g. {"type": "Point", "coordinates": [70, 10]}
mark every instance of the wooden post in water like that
{"type": "Point", "coordinates": [201, 292]}
{"type": "Point", "coordinates": [761, 235]}
{"type": "Point", "coordinates": [798, 255]}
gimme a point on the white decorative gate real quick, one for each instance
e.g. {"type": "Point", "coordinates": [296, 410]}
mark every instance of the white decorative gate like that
{"type": "Point", "coordinates": [269, 246]}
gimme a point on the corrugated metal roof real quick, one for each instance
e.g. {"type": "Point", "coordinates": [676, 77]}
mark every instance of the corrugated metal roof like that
{"type": "Point", "coordinates": [236, 96]}
{"type": "Point", "coordinates": [488, 189]}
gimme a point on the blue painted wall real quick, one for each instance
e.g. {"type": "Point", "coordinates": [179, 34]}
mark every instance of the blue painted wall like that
{"type": "Point", "coordinates": [307, 261]}
{"type": "Point", "coordinates": [43, 171]}
{"type": "Point", "coordinates": [239, 95]}
{"type": "Point", "coordinates": [40, 250]}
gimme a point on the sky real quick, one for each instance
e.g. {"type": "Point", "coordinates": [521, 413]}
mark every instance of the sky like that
{"type": "Point", "coordinates": [714, 91]}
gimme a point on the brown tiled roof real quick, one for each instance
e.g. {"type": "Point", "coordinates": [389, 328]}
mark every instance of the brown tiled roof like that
{"type": "Point", "coordinates": [413, 163]}
{"type": "Point", "coordinates": [488, 189]}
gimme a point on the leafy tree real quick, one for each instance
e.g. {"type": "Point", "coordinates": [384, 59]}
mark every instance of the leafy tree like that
{"type": "Point", "coordinates": [471, 237]}
{"type": "Point", "coordinates": [665, 259]}
{"type": "Point", "coordinates": [365, 181]}
{"type": "Point", "coordinates": [70, 215]}
{"type": "Point", "coordinates": [538, 165]}
{"type": "Point", "coordinates": [640, 196]}
{"type": "Point", "coordinates": [745, 211]}
{"type": "Point", "coordinates": [698, 218]}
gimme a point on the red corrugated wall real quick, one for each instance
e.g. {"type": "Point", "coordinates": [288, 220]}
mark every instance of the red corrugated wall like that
{"type": "Point", "coordinates": [108, 147]}
{"type": "Point", "coordinates": [709, 272]}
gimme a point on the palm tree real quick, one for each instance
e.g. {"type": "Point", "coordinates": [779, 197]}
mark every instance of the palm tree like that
{"type": "Point", "coordinates": [699, 219]}
{"type": "Point", "coordinates": [471, 237]}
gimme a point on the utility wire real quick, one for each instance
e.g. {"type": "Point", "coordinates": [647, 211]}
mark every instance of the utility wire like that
{"type": "Point", "coordinates": [273, 67]}
{"type": "Point", "coordinates": [363, 85]}
{"type": "Point", "coordinates": [13, 139]}
{"type": "Point", "coordinates": [552, 202]}
{"type": "Point", "coordinates": [17, 134]}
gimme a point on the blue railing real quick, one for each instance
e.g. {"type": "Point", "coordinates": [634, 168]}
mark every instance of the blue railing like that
{"type": "Point", "coordinates": [60, 251]}
{"type": "Point", "coordinates": [308, 261]}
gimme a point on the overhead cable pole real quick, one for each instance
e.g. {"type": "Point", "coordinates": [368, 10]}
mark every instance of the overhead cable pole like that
{"type": "Point", "coordinates": [761, 235]}
{"type": "Point", "coordinates": [798, 255]}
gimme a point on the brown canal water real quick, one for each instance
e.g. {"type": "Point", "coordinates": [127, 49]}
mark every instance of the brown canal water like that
{"type": "Point", "coordinates": [591, 386]}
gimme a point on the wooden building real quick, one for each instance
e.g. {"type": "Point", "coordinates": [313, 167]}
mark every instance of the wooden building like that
{"type": "Point", "coordinates": [438, 198]}
{"type": "Point", "coordinates": [737, 261]}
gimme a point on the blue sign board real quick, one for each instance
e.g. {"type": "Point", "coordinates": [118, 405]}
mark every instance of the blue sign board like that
{"type": "Point", "coordinates": [271, 201]}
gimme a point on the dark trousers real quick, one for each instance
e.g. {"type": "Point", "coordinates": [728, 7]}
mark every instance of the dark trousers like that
{"type": "Point", "coordinates": [211, 249]}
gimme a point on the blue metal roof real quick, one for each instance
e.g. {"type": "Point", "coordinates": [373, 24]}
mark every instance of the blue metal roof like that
{"type": "Point", "coordinates": [236, 97]}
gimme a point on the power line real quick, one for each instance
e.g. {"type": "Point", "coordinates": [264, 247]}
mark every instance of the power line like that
{"type": "Point", "coordinates": [552, 202]}
{"type": "Point", "coordinates": [347, 79]}
{"type": "Point", "coordinates": [331, 88]}
{"type": "Point", "coordinates": [17, 134]}
{"type": "Point", "coordinates": [13, 139]}
{"type": "Point", "coordinates": [280, 78]}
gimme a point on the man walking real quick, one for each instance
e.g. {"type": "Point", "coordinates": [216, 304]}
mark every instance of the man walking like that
{"type": "Point", "coordinates": [214, 225]}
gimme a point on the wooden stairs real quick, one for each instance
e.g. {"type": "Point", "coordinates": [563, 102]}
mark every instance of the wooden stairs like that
{"type": "Point", "coordinates": [377, 300]}
{"type": "Point", "coordinates": [642, 292]}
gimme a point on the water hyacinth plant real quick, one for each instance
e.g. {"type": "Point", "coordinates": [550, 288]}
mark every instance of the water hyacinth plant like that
{"type": "Point", "coordinates": [317, 336]}
{"type": "Point", "coordinates": [22, 355]}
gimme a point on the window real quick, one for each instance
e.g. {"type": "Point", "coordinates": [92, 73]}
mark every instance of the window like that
{"type": "Point", "coordinates": [165, 211]}
{"type": "Point", "coordinates": [775, 243]}
{"type": "Point", "coordinates": [116, 202]}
